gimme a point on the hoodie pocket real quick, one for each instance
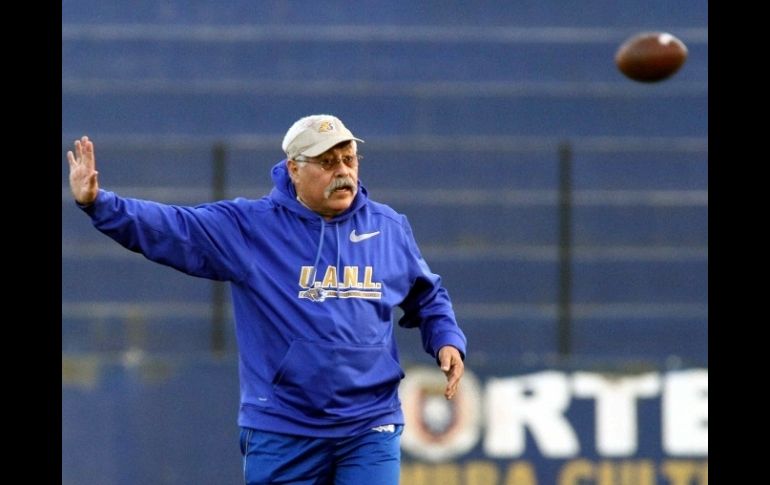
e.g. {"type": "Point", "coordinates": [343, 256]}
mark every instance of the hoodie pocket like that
{"type": "Point", "coordinates": [332, 380]}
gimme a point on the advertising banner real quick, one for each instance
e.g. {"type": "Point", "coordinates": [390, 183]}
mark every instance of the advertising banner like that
{"type": "Point", "coordinates": [556, 427]}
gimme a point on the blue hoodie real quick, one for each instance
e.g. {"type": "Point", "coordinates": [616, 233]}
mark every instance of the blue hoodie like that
{"type": "Point", "coordinates": [312, 299]}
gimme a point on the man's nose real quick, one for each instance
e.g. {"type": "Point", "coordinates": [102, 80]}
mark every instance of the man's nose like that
{"type": "Point", "coordinates": [340, 168]}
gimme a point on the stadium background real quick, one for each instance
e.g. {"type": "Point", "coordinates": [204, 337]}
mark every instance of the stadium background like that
{"type": "Point", "coordinates": [473, 113]}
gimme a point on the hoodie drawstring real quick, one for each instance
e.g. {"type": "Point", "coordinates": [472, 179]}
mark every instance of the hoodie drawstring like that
{"type": "Point", "coordinates": [318, 254]}
{"type": "Point", "coordinates": [319, 294]}
{"type": "Point", "coordinates": [337, 231]}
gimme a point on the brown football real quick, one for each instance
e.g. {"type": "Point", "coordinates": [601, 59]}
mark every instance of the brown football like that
{"type": "Point", "coordinates": [651, 56]}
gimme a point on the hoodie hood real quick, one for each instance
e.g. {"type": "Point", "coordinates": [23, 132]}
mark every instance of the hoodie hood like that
{"type": "Point", "coordinates": [283, 194]}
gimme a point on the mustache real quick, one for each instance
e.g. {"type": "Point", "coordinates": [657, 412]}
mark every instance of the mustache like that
{"type": "Point", "coordinates": [338, 183]}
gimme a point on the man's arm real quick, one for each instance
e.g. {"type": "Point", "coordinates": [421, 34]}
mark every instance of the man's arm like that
{"type": "Point", "coordinates": [428, 307]}
{"type": "Point", "coordinates": [204, 241]}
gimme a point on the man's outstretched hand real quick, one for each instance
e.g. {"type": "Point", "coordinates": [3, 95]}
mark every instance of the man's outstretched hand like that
{"type": "Point", "coordinates": [84, 181]}
{"type": "Point", "coordinates": [453, 367]}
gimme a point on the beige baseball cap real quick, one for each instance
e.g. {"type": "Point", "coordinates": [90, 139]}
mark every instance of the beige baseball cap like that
{"type": "Point", "coordinates": [312, 135]}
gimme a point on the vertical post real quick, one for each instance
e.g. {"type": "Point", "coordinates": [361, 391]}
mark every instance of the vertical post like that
{"type": "Point", "coordinates": [565, 250]}
{"type": "Point", "coordinates": [218, 317]}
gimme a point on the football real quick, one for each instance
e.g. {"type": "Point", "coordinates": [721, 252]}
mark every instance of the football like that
{"type": "Point", "coordinates": [651, 56]}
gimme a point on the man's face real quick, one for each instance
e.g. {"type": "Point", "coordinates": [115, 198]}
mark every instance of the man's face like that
{"type": "Point", "coordinates": [324, 183]}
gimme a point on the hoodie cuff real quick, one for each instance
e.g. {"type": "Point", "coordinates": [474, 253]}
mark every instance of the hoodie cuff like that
{"type": "Point", "coordinates": [90, 209]}
{"type": "Point", "coordinates": [453, 340]}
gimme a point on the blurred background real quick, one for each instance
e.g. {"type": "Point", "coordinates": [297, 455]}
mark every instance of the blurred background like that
{"type": "Point", "coordinates": [564, 206]}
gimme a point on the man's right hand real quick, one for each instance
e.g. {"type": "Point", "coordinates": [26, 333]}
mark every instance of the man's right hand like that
{"type": "Point", "coordinates": [84, 181]}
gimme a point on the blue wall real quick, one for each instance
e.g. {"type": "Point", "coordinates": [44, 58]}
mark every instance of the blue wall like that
{"type": "Point", "coordinates": [463, 106]}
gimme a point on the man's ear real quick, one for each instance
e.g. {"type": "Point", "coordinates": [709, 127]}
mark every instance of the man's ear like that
{"type": "Point", "coordinates": [292, 167]}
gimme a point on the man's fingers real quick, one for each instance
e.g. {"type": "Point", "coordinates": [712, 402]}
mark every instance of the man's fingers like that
{"type": "Point", "coordinates": [88, 152]}
{"type": "Point", "coordinates": [451, 390]}
{"type": "Point", "coordinates": [446, 361]}
{"type": "Point", "coordinates": [83, 147]}
{"type": "Point", "coordinates": [83, 154]}
{"type": "Point", "coordinates": [453, 378]}
{"type": "Point", "coordinates": [452, 365]}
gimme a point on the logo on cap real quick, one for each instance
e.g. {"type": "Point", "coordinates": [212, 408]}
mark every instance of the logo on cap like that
{"type": "Point", "coordinates": [326, 126]}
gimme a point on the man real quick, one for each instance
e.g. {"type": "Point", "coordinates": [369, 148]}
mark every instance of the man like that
{"type": "Point", "coordinates": [316, 268]}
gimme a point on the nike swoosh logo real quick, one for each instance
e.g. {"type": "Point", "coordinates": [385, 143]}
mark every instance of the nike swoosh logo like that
{"type": "Point", "coordinates": [361, 237]}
